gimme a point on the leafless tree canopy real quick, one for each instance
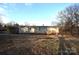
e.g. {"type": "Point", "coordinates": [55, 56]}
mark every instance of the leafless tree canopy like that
{"type": "Point", "coordinates": [69, 19]}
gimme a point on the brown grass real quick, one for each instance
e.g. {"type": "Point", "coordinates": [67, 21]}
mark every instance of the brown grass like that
{"type": "Point", "coordinates": [33, 44]}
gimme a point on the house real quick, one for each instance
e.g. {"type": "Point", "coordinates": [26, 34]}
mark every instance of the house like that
{"type": "Point", "coordinates": [39, 29]}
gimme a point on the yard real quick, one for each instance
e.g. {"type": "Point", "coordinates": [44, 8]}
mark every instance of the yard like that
{"type": "Point", "coordinates": [31, 44]}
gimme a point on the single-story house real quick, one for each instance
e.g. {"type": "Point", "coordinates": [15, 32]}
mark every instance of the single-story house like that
{"type": "Point", "coordinates": [39, 29]}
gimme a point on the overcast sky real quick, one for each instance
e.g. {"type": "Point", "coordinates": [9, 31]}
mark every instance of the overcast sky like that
{"type": "Point", "coordinates": [32, 13]}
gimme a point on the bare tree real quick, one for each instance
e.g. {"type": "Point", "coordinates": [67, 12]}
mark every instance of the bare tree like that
{"type": "Point", "coordinates": [2, 29]}
{"type": "Point", "coordinates": [12, 27]}
{"type": "Point", "coordinates": [69, 19]}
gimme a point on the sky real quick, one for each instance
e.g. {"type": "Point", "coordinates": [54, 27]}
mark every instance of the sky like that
{"type": "Point", "coordinates": [31, 13]}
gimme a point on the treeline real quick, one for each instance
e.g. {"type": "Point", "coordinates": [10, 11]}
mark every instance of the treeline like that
{"type": "Point", "coordinates": [9, 28]}
{"type": "Point", "coordinates": [69, 20]}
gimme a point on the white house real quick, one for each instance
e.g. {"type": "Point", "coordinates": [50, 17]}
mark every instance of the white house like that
{"type": "Point", "coordinates": [39, 29]}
